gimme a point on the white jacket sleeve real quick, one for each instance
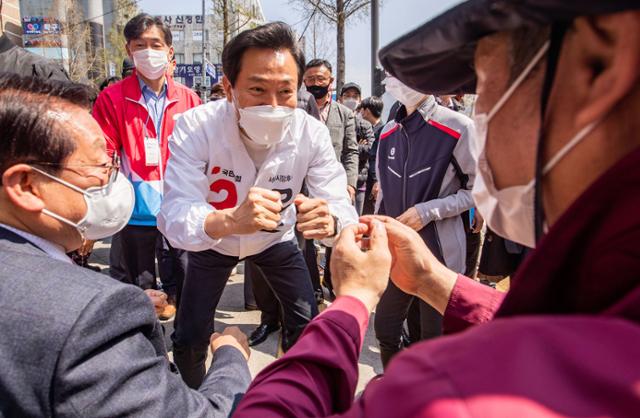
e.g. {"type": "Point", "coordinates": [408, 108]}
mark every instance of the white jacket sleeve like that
{"type": "Point", "coordinates": [326, 179]}
{"type": "Point", "coordinates": [186, 186]}
{"type": "Point", "coordinates": [461, 201]}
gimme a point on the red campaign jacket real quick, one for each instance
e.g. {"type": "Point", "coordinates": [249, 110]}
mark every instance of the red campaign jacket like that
{"type": "Point", "coordinates": [564, 342]}
{"type": "Point", "coordinates": [121, 112]}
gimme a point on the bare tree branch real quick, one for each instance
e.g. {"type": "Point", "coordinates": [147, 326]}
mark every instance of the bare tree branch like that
{"type": "Point", "coordinates": [356, 8]}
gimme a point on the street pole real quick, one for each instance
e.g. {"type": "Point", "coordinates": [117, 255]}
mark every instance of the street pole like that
{"type": "Point", "coordinates": [375, 26]}
{"type": "Point", "coordinates": [205, 96]}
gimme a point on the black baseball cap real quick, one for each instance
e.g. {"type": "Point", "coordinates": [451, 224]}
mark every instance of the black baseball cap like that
{"type": "Point", "coordinates": [348, 86]}
{"type": "Point", "coordinates": [438, 57]}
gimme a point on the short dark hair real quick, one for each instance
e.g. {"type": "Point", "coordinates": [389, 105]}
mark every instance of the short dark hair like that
{"type": "Point", "coordinates": [319, 63]}
{"type": "Point", "coordinates": [27, 134]}
{"type": "Point", "coordinates": [139, 24]}
{"type": "Point", "coordinates": [276, 36]}
{"type": "Point", "coordinates": [374, 104]}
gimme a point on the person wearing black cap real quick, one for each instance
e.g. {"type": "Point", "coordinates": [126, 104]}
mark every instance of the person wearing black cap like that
{"type": "Point", "coordinates": [558, 154]}
{"type": "Point", "coordinates": [351, 96]}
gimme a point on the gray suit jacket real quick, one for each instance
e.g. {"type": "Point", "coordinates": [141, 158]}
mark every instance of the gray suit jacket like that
{"type": "Point", "coordinates": [74, 343]}
{"type": "Point", "coordinates": [342, 128]}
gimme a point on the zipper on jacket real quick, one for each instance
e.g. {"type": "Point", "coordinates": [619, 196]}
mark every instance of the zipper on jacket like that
{"type": "Point", "coordinates": [405, 167]}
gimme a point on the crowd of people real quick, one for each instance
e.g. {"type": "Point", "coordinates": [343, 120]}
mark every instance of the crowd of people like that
{"type": "Point", "coordinates": [415, 218]}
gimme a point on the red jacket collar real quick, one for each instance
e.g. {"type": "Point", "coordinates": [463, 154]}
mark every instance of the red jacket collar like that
{"type": "Point", "coordinates": [132, 91]}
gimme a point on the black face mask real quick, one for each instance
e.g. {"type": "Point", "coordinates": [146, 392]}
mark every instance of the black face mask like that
{"type": "Point", "coordinates": [318, 91]}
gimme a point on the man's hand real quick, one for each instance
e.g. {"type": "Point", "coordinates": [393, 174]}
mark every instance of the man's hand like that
{"type": "Point", "coordinates": [233, 337]}
{"type": "Point", "coordinates": [374, 191]}
{"type": "Point", "coordinates": [314, 219]}
{"type": "Point", "coordinates": [478, 222]}
{"type": "Point", "coordinates": [260, 210]}
{"type": "Point", "coordinates": [411, 218]}
{"type": "Point", "coordinates": [352, 193]}
{"type": "Point", "coordinates": [360, 268]}
{"type": "Point", "coordinates": [415, 270]}
{"type": "Point", "coordinates": [158, 298]}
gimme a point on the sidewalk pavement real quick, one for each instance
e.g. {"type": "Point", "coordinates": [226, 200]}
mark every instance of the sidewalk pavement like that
{"type": "Point", "coordinates": [231, 312]}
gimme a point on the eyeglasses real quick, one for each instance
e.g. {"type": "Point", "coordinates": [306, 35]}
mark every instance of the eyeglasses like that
{"type": "Point", "coordinates": [112, 167]}
{"type": "Point", "coordinates": [315, 79]}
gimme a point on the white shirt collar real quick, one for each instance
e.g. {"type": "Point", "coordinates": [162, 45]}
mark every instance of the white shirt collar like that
{"type": "Point", "coordinates": [53, 250]}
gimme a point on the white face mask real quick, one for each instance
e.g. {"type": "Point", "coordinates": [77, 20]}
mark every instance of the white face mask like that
{"type": "Point", "coordinates": [405, 95]}
{"type": "Point", "coordinates": [351, 103]}
{"type": "Point", "coordinates": [108, 207]}
{"type": "Point", "coordinates": [509, 212]}
{"type": "Point", "coordinates": [265, 125]}
{"type": "Point", "coordinates": [150, 63]}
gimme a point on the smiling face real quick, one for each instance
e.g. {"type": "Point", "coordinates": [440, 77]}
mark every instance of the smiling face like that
{"type": "Point", "coordinates": [266, 77]}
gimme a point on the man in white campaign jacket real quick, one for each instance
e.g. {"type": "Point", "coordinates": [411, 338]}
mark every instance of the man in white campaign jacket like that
{"type": "Point", "coordinates": [232, 189]}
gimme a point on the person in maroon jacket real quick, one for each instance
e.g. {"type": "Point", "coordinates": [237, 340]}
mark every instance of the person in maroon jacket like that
{"type": "Point", "coordinates": [562, 77]}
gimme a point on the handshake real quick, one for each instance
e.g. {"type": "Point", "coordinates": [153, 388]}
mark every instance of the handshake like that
{"type": "Point", "coordinates": [261, 210]}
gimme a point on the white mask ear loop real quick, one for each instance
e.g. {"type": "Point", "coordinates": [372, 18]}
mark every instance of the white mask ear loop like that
{"type": "Point", "coordinates": [525, 73]}
{"type": "Point", "coordinates": [569, 146]}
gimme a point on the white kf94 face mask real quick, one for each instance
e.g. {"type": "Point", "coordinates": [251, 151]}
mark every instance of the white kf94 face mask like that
{"type": "Point", "coordinates": [108, 207]}
{"type": "Point", "coordinates": [405, 95]}
{"type": "Point", "coordinates": [151, 63]}
{"type": "Point", "coordinates": [265, 125]}
{"type": "Point", "coordinates": [509, 212]}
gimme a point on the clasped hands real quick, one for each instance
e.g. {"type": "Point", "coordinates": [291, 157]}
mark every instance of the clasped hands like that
{"type": "Point", "coordinates": [392, 250]}
{"type": "Point", "coordinates": [261, 211]}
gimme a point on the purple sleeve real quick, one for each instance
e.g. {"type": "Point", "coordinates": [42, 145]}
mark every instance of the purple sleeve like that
{"type": "Point", "coordinates": [318, 375]}
{"type": "Point", "coordinates": [470, 303]}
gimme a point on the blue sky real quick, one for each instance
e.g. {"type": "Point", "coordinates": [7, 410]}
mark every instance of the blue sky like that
{"type": "Point", "coordinates": [396, 18]}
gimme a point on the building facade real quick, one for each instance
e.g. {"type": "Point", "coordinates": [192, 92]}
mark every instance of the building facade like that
{"type": "Point", "coordinates": [69, 31]}
{"type": "Point", "coordinates": [192, 41]}
{"type": "Point", "coordinates": [11, 21]}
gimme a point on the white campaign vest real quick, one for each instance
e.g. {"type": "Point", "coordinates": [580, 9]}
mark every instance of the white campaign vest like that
{"type": "Point", "coordinates": [210, 168]}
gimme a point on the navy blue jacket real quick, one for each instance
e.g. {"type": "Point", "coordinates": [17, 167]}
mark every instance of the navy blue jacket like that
{"type": "Point", "coordinates": [423, 161]}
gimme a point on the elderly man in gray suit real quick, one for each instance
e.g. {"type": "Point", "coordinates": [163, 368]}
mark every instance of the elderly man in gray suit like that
{"type": "Point", "coordinates": [96, 349]}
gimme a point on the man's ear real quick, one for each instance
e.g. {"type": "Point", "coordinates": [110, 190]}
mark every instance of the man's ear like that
{"type": "Point", "coordinates": [23, 190]}
{"type": "Point", "coordinates": [126, 46]}
{"type": "Point", "coordinates": [609, 50]}
{"type": "Point", "coordinates": [228, 90]}
{"type": "Point", "coordinates": [171, 53]}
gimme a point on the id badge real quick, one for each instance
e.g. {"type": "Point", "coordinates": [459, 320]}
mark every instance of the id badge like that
{"type": "Point", "coordinates": [151, 152]}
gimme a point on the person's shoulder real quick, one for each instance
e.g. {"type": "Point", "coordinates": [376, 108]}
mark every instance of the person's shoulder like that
{"type": "Point", "coordinates": [214, 115]}
{"type": "Point", "coordinates": [388, 129]}
{"type": "Point", "coordinates": [451, 119]}
{"type": "Point", "coordinates": [304, 123]}
{"type": "Point", "coordinates": [116, 92]}
{"type": "Point", "coordinates": [186, 92]}
{"type": "Point", "coordinates": [40, 286]}
{"type": "Point", "coordinates": [344, 110]}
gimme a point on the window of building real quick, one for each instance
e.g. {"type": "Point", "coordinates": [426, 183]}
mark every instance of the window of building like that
{"type": "Point", "coordinates": [178, 35]}
{"type": "Point", "coordinates": [179, 58]}
{"type": "Point", "coordinates": [197, 57]}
